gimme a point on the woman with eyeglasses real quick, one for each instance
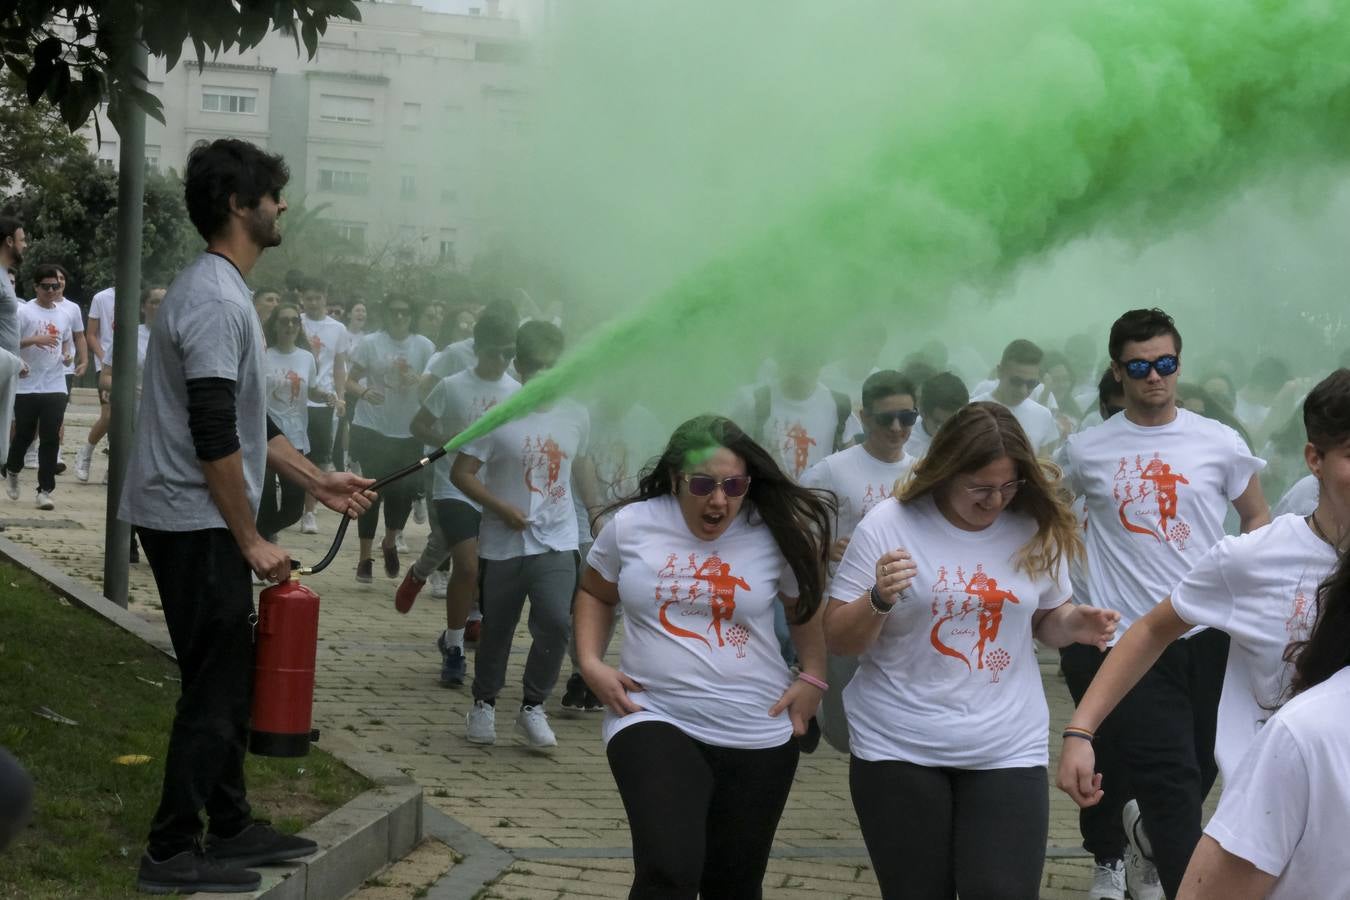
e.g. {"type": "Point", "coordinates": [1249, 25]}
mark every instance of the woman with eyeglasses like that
{"type": "Point", "coordinates": [292, 381]}
{"type": "Point", "coordinates": [940, 592]}
{"type": "Point", "coordinates": [390, 362]}
{"type": "Point", "coordinates": [702, 710]}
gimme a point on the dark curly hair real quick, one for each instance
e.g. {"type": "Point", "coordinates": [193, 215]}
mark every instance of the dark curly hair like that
{"type": "Point", "coordinates": [226, 167]}
{"type": "Point", "coordinates": [797, 517]}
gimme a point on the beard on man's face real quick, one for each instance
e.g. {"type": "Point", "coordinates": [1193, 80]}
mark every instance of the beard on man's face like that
{"type": "Point", "coordinates": [263, 228]}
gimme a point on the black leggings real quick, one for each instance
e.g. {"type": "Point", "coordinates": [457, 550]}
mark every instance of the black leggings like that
{"type": "Point", "coordinates": [380, 456]}
{"type": "Point", "coordinates": [273, 517]}
{"type": "Point", "coordinates": [935, 833]}
{"type": "Point", "coordinates": [702, 817]}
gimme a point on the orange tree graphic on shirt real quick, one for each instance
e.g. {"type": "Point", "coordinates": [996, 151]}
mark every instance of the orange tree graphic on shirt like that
{"type": "Point", "coordinates": [1147, 498]}
{"type": "Point", "coordinates": [951, 633]}
{"type": "Point", "coordinates": [705, 590]}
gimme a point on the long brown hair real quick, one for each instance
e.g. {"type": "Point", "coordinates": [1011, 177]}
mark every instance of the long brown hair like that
{"type": "Point", "coordinates": [977, 435]}
{"type": "Point", "coordinates": [797, 517]}
{"type": "Point", "coordinates": [1327, 649]}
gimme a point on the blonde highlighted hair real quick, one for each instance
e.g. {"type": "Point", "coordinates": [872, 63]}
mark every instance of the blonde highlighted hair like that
{"type": "Point", "coordinates": [979, 434]}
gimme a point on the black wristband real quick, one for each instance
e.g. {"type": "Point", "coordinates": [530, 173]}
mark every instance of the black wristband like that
{"type": "Point", "coordinates": [879, 606]}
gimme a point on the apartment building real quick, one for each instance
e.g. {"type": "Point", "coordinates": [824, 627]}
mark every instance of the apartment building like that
{"type": "Point", "coordinates": [403, 123]}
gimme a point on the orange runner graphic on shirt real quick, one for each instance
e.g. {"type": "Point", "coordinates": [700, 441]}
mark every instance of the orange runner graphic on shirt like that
{"type": "Point", "coordinates": [1147, 498]}
{"type": "Point", "coordinates": [542, 458]}
{"type": "Point", "coordinates": [799, 441]}
{"type": "Point", "coordinates": [701, 590]}
{"type": "Point", "coordinates": [952, 631]}
{"type": "Point", "coordinates": [1303, 612]}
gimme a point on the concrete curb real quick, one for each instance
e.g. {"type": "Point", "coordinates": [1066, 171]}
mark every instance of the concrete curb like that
{"type": "Point", "coordinates": [357, 840]}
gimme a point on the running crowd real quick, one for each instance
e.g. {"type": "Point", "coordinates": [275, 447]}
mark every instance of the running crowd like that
{"type": "Point", "coordinates": [865, 553]}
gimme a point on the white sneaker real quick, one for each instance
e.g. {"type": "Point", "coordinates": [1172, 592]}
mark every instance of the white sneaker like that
{"type": "Point", "coordinates": [308, 524]}
{"type": "Point", "coordinates": [420, 510]}
{"type": "Point", "coordinates": [532, 724]}
{"type": "Point", "coordinates": [84, 457]}
{"type": "Point", "coordinates": [12, 485]}
{"type": "Point", "coordinates": [439, 581]}
{"type": "Point", "coordinates": [44, 500]}
{"type": "Point", "coordinates": [1108, 881]}
{"type": "Point", "coordinates": [30, 459]}
{"type": "Point", "coordinates": [1141, 876]}
{"type": "Point", "coordinates": [482, 722]}
{"type": "Point", "coordinates": [399, 544]}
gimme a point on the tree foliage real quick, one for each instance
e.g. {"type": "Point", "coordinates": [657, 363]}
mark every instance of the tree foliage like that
{"type": "Point", "coordinates": [33, 140]}
{"type": "Point", "coordinates": [70, 215]}
{"type": "Point", "coordinates": [78, 54]}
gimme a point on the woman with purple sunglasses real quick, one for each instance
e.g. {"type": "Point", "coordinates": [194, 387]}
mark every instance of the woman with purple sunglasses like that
{"type": "Point", "coordinates": [702, 711]}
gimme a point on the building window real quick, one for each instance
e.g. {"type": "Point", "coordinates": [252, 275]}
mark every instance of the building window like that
{"type": "Point", "coordinates": [151, 158]}
{"type": "Point", "coordinates": [353, 110]}
{"type": "Point", "coordinates": [412, 115]}
{"type": "Point", "coordinates": [107, 164]}
{"type": "Point", "coordinates": [338, 176]}
{"type": "Point", "coordinates": [449, 195]}
{"type": "Point", "coordinates": [407, 187]}
{"type": "Point", "coordinates": [494, 52]}
{"type": "Point", "coordinates": [447, 249]}
{"type": "Point", "coordinates": [241, 101]}
{"type": "Point", "coordinates": [353, 233]}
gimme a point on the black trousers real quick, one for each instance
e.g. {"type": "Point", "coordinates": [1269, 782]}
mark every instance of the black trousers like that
{"type": "Point", "coordinates": [1164, 733]}
{"type": "Point", "coordinates": [320, 430]}
{"type": "Point", "coordinates": [380, 456]}
{"type": "Point", "coordinates": [1100, 825]}
{"type": "Point", "coordinates": [273, 516]}
{"type": "Point", "coordinates": [207, 595]}
{"type": "Point", "coordinates": [935, 833]}
{"type": "Point", "coordinates": [702, 817]}
{"type": "Point", "coordinates": [39, 415]}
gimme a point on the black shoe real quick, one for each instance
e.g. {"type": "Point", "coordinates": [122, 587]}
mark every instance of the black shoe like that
{"type": "Point", "coordinates": [258, 844]}
{"type": "Point", "coordinates": [592, 703]}
{"type": "Point", "coordinates": [574, 695]}
{"type": "Point", "coordinates": [189, 872]}
{"type": "Point", "coordinates": [60, 468]}
{"type": "Point", "coordinates": [364, 571]}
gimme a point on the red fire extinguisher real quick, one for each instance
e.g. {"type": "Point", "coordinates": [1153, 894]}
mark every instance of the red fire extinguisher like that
{"type": "Point", "coordinates": [283, 674]}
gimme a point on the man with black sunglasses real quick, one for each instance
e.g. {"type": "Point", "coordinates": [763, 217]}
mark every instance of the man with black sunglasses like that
{"type": "Point", "coordinates": [1157, 481]}
{"type": "Point", "coordinates": [1019, 374]}
{"type": "Point", "coordinates": [861, 477]}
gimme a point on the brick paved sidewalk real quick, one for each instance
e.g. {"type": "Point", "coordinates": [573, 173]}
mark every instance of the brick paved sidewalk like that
{"type": "Point", "coordinates": [558, 814]}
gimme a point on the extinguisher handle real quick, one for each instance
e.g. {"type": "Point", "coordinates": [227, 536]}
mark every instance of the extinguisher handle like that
{"type": "Point", "coordinates": [346, 520]}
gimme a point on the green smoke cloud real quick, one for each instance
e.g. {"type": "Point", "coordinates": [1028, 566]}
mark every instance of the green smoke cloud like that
{"type": "Point", "coordinates": [721, 183]}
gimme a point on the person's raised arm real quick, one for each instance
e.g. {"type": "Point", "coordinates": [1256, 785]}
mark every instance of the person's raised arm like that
{"type": "Point", "coordinates": [1135, 654]}
{"type": "Point", "coordinates": [850, 628]}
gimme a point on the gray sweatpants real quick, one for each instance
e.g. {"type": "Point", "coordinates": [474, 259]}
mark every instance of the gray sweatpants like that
{"type": "Point", "coordinates": [550, 581]}
{"type": "Point", "coordinates": [435, 552]}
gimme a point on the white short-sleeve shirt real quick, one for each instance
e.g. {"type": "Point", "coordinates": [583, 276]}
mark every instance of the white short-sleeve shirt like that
{"type": "Point", "coordinates": [1260, 589]}
{"type": "Point", "coordinates": [1156, 501]}
{"type": "Point", "coordinates": [698, 625]}
{"type": "Point", "coordinates": [457, 402]}
{"type": "Point", "coordinates": [1286, 809]}
{"type": "Point", "coordinates": [952, 679]}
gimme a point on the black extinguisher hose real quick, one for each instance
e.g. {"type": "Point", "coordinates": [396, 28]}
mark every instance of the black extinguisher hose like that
{"type": "Point", "coordinates": [346, 520]}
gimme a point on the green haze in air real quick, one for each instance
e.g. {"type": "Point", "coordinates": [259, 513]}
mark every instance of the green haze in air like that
{"type": "Point", "coordinates": [718, 184]}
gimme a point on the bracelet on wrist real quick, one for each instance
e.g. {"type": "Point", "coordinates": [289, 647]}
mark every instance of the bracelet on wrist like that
{"type": "Point", "coordinates": [1073, 731]}
{"type": "Point", "coordinates": [879, 606]}
{"type": "Point", "coordinates": [813, 681]}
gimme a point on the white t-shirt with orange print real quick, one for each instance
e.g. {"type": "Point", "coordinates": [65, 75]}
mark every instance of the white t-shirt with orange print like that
{"type": "Point", "coordinates": [1261, 590]}
{"type": "Point", "coordinates": [699, 623]}
{"type": "Point", "coordinates": [327, 338]}
{"type": "Point", "coordinates": [289, 376]}
{"type": "Point", "coordinates": [528, 464]}
{"type": "Point", "coordinates": [1156, 501]}
{"type": "Point", "coordinates": [952, 679]}
{"type": "Point", "coordinates": [859, 482]}
{"type": "Point", "coordinates": [797, 433]}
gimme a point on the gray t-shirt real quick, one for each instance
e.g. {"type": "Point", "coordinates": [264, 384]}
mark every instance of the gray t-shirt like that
{"type": "Point", "coordinates": [9, 315]}
{"type": "Point", "coordinates": [206, 328]}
